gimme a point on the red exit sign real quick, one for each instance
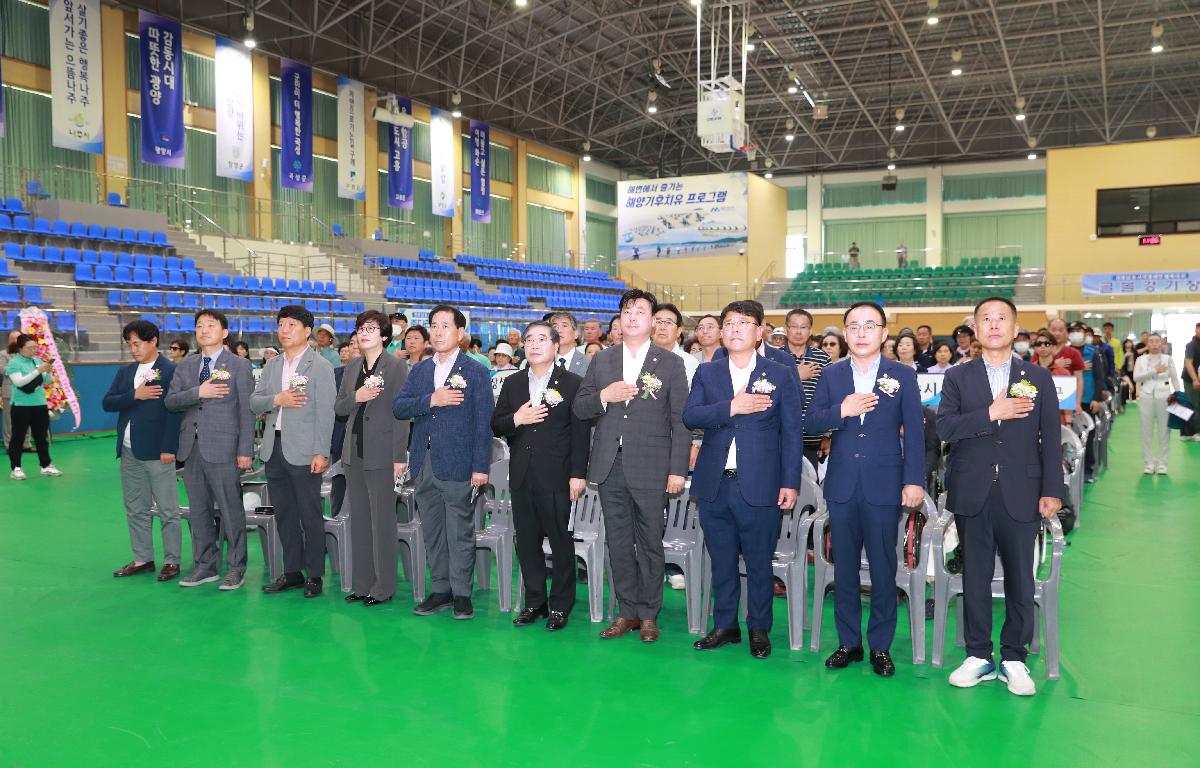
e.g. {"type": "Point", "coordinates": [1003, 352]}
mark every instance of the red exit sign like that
{"type": "Point", "coordinates": [1150, 240]}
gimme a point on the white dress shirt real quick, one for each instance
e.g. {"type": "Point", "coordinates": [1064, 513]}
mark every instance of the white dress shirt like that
{"type": "Point", "coordinates": [139, 378]}
{"type": "Point", "coordinates": [741, 379]}
{"type": "Point", "coordinates": [288, 371]}
{"type": "Point", "coordinates": [538, 384]}
{"type": "Point", "coordinates": [690, 364]}
{"type": "Point", "coordinates": [631, 365]}
{"type": "Point", "coordinates": [565, 360]}
{"type": "Point", "coordinates": [864, 382]}
{"type": "Point", "coordinates": [442, 366]}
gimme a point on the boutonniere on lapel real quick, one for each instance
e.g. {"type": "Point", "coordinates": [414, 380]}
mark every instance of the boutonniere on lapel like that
{"type": "Point", "coordinates": [220, 374]}
{"type": "Point", "coordinates": [456, 381]}
{"type": "Point", "coordinates": [1023, 388]}
{"type": "Point", "coordinates": [297, 382]}
{"type": "Point", "coordinates": [551, 397]}
{"type": "Point", "coordinates": [650, 386]}
{"type": "Point", "coordinates": [374, 381]}
{"type": "Point", "coordinates": [887, 385]}
{"type": "Point", "coordinates": [762, 386]}
{"type": "Point", "coordinates": [152, 376]}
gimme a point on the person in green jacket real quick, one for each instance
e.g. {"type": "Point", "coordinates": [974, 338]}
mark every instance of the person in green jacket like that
{"type": "Point", "coordinates": [29, 412]}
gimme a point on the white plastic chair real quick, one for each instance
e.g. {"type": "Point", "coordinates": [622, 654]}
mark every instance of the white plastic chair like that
{"type": "Point", "coordinates": [494, 534]}
{"type": "Point", "coordinates": [410, 534]}
{"type": "Point", "coordinates": [337, 529]}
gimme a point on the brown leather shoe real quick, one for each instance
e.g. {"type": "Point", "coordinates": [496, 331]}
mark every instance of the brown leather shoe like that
{"type": "Point", "coordinates": [620, 627]}
{"type": "Point", "coordinates": [650, 631]}
{"type": "Point", "coordinates": [130, 569]}
{"type": "Point", "coordinates": [168, 572]}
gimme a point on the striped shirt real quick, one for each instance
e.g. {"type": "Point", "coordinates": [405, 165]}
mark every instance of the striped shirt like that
{"type": "Point", "coordinates": [820, 358]}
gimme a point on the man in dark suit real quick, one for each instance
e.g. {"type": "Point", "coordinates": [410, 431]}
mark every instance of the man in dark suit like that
{"type": "Point", "coordinates": [636, 393]}
{"type": "Point", "coordinates": [568, 355]}
{"type": "Point", "coordinates": [745, 473]}
{"type": "Point", "coordinates": [876, 466]}
{"type": "Point", "coordinates": [449, 399]}
{"type": "Point", "coordinates": [1001, 415]}
{"type": "Point", "coordinates": [547, 470]}
{"type": "Point", "coordinates": [147, 438]}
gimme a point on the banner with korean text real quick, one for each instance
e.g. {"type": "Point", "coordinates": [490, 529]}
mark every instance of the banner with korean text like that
{"type": "Point", "coordinates": [481, 166]}
{"type": "Point", "coordinates": [76, 85]}
{"type": "Point", "coordinates": [235, 111]}
{"type": "Point", "coordinates": [295, 155]}
{"type": "Point", "coordinates": [352, 180]}
{"type": "Point", "coordinates": [683, 216]}
{"type": "Point", "coordinates": [931, 390]}
{"type": "Point", "coordinates": [161, 50]}
{"type": "Point", "coordinates": [1140, 283]}
{"type": "Point", "coordinates": [399, 170]}
{"type": "Point", "coordinates": [441, 162]}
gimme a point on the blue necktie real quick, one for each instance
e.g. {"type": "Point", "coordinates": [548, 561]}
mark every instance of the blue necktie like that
{"type": "Point", "coordinates": [205, 370]}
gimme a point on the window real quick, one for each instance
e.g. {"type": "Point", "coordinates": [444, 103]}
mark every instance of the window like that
{"type": "Point", "coordinates": [1148, 210]}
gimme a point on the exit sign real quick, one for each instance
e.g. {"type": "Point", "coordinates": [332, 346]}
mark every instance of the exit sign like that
{"type": "Point", "coordinates": [1150, 240]}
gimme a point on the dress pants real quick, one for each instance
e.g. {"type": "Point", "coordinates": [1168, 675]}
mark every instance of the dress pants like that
{"type": "Point", "coordinates": [1152, 413]}
{"type": "Point", "coordinates": [448, 521]}
{"type": "Point", "coordinates": [211, 484]}
{"type": "Point", "coordinates": [854, 524]}
{"type": "Point", "coordinates": [373, 538]}
{"type": "Point", "coordinates": [732, 527]}
{"type": "Point", "coordinates": [544, 513]}
{"type": "Point", "coordinates": [982, 536]}
{"type": "Point", "coordinates": [1192, 426]}
{"type": "Point", "coordinates": [296, 498]}
{"type": "Point", "coordinates": [143, 483]}
{"type": "Point", "coordinates": [28, 419]}
{"type": "Point", "coordinates": [635, 521]}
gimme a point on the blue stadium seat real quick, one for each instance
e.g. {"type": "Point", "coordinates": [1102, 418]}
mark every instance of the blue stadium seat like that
{"type": "Point", "coordinates": [208, 280]}
{"type": "Point", "coordinates": [175, 279]}
{"type": "Point", "coordinates": [78, 229]}
{"type": "Point", "coordinates": [115, 299]}
{"type": "Point", "coordinates": [192, 279]}
{"type": "Point", "coordinates": [173, 262]}
{"type": "Point", "coordinates": [5, 221]}
{"type": "Point", "coordinates": [293, 286]}
{"type": "Point", "coordinates": [187, 323]}
{"type": "Point", "coordinates": [224, 302]}
{"type": "Point", "coordinates": [65, 321]}
{"type": "Point", "coordinates": [12, 251]}
{"type": "Point", "coordinates": [224, 282]}
{"type": "Point", "coordinates": [61, 228]}
{"type": "Point", "coordinates": [172, 324]}
{"type": "Point", "coordinates": [41, 226]}
{"type": "Point", "coordinates": [112, 233]}
{"type": "Point", "coordinates": [238, 283]}
{"type": "Point", "coordinates": [306, 287]}
{"type": "Point", "coordinates": [141, 260]}
{"type": "Point", "coordinates": [9, 294]}
{"type": "Point", "coordinates": [318, 288]}
{"type": "Point", "coordinates": [108, 258]}
{"type": "Point", "coordinates": [255, 304]}
{"type": "Point", "coordinates": [14, 205]}
{"type": "Point", "coordinates": [4, 270]}
{"type": "Point", "coordinates": [253, 284]}
{"type": "Point", "coordinates": [22, 223]}
{"type": "Point", "coordinates": [187, 264]}
{"type": "Point", "coordinates": [158, 262]}
{"type": "Point", "coordinates": [32, 252]}
{"type": "Point", "coordinates": [125, 259]}
{"type": "Point", "coordinates": [145, 237]}
{"type": "Point", "coordinates": [114, 200]}
{"type": "Point", "coordinates": [174, 300]}
{"type": "Point", "coordinates": [158, 277]}
{"type": "Point", "coordinates": [141, 276]}
{"type": "Point", "coordinates": [154, 300]}
{"type": "Point", "coordinates": [95, 231]}
{"type": "Point", "coordinates": [257, 325]}
{"type": "Point", "coordinates": [160, 237]}
{"type": "Point", "coordinates": [52, 254]}
{"type": "Point", "coordinates": [104, 274]}
{"type": "Point", "coordinates": [191, 301]}
{"type": "Point", "coordinates": [123, 275]}
{"type": "Point", "coordinates": [331, 289]}
{"type": "Point", "coordinates": [90, 257]}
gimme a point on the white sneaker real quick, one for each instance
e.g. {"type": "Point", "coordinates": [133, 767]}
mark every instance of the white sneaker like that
{"type": "Point", "coordinates": [677, 581]}
{"type": "Point", "coordinates": [1162, 469]}
{"type": "Point", "coordinates": [1016, 674]}
{"type": "Point", "coordinates": [1149, 470]}
{"type": "Point", "coordinates": [51, 471]}
{"type": "Point", "coordinates": [972, 672]}
{"type": "Point", "coordinates": [17, 474]}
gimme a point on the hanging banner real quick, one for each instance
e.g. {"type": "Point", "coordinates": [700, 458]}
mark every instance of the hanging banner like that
{"type": "Point", "coordinates": [295, 155]}
{"type": "Point", "coordinates": [352, 182]}
{"type": "Point", "coordinates": [76, 86]}
{"type": "Point", "coordinates": [399, 173]}
{"type": "Point", "coordinates": [162, 90]}
{"type": "Point", "coordinates": [441, 161]}
{"type": "Point", "coordinates": [235, 111]}
{"type": "Point", "coordinates": [1140, 283]}
{"type": "Point", "coordinates": [481, 166]}
{"type": "Point", "coordinates": [705, 215]}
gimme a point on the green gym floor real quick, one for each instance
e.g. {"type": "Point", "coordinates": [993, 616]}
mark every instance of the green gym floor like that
{"type": "Point", "coordinates": [131, 672]}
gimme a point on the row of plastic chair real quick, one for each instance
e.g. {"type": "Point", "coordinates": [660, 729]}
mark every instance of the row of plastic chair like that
{"type": "Point", "coordinates": [76, 230]}
{"type": "Point", "coordinates": [238, 325]}
{"type": "Point", "coordinates": [52, 254]}
{"type": "Point", "coordinates": [64, 322]}
{"type": "Point", "coordinates": [194, 301]}
{"type": "Point", "coordinates": [552, 269]}
{"type": "Point", "coordinates": [29, 294]}
{"type": "Point", "coordinates": [121, 275]}
{"type": "Point", "coordinates": [409, 265]}
{"type": "Point", "coordinates": [498, 273]}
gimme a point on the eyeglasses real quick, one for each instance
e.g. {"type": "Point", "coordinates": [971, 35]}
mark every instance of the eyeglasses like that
{"type": "Point", "coordinates": [176, 349]}
{"type": "Point", "coordinates": [1043, 344]}
{"type": "Point", "coordinates": [665, 322]}
{"type": "Point", "coordinates": [369, 329]}
{"type": "Point", "coordinates": [738, 325]}
{"type": "Point", "coordinates": [855, 329]}
{"type": "Point", "coordinates": [829, 344]}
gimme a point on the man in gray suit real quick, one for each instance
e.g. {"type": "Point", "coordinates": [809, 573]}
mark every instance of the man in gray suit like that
{"type": "Point", "coordinates": [636, 392]}
{"type": "Point", "coordinates": [216, 435]}
{"type": "Point", "coordinates": [296, 392]}
{"type": "Point", "coordinates": [569, 355]}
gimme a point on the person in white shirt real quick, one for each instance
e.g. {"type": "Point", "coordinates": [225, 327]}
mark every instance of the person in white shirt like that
{"type": "Point", "coordinates": [1157, 380]}
{"type": "Point", "coordinates": [668, 321]}
{"type": "Point", "coordinates": [708, 334]}
{"type": "Point", "coordinates": [568, 355]}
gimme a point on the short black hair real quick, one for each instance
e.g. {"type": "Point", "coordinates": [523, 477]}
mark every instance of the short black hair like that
{"type": "Point", "coordinates": [702, 318]}
{"type": "Point", "coordinates": [926, 327]}
{"type": "Point", "coordinates": [747, 308]}
{"type": "Point", "coordinates": [799, 312]}
{"type": "Point", "coordinates": [143, 329]}
{"type": "Point", "coordinates": [215, 314]}
{"type": "Point", "coordinates": [398, 316]}
{"type": "Point", "coordinates": [870, 304]}
{"type": "Point", "coordinates": [674, 310]}
{"type": "Point", "coordinates": [374, 316]}
{"type": "Point", "coordinates": [296, 312]}
{"type": "Point", "coordinates": [343, 345]}
{"type": "Point", "coordinates": [1078, 325]}
{"type": "Point", "coordinates": [182, 343]}
{"type": "Point", "coordinates": [634, 294]}
{"type": "Point", "coordinates": [460, 320]}
{"type": "Point", "coordinates": [541, 324]}
{"type": "Point", "coordinates": [21, 340]}
{"type": "Point", "coordinates": [240, 344]}
{"type": "Point", "coordinates": [939, 344]}
{"type": "Point", "coordinates": [963, 329]}
{"type": "Point", "coordinates": [1109, 324]}
{"type": "Point", "coordinates": [613, 319]}
{"type": "Point", "coordinates": [551, 317]}
{"type": "Point", "coordinates": [419, 329]}
{"type": "Point", "coordinates": [1000, 299]}
{"type": "Point", "coordinates": [475, 342]}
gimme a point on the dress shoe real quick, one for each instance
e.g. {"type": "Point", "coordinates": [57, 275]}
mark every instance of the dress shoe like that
{"type": "Point", "coordinates": [284, 583]}
{"type": "Point", "coordinates": [129, 569]}
{"type": "Point", "coordinates": [530, 615]}
{"type": "Point", "coordinates": [168, 572]}
{"type": "Point", "coordinates": [354, 597]}
{"type": "Point", "coordinates": [557, 621]}
{"type": "Point", "coordinates": [434, 604]}
{"type": "Point", "coordinates": [760, 643]}
{"type": "Point", "coordinates": [619, 627]}
{"type": "Point", "coordinates": [881, 663]}
{"type": "Point", "coordinates": [313, 587]}
{"type": "Point", "coordinates": [841, 658]}
{"type": "Point", "coordinates": [650, 631]}
{"type": "Point", "coordinates": [718, 637]}
{"type": "Point", "coordinates": [376, 601]}
{"type": "Point", "coordinates": [778, 588]}
{"type": "Point", "coordinates": [463, 609]}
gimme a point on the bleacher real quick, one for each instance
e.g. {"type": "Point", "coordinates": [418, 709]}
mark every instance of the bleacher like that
{"type": "Point", "coordinates": [499, 271]}
{"type": "Point", "coordinates": [179, 278]}
{"type": "Point", "coordinates": [426, 263]}
{"type": "Point", "coordinates": [836, 285]}
{"type": "Point", "coordinates": [246, 314]}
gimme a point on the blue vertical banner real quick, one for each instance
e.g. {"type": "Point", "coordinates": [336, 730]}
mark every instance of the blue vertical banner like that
{"type": "Point", "coordinates": [481, 166]}
{"type": "Point", "coordinates": [295, 155]}
{"type": "Point", "coordinates": [162, 90]}
{"type": "Point", "coordinates": [399, 171]}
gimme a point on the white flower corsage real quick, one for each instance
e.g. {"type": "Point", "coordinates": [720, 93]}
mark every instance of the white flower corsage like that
{"type": "Point", "coordinates": [374, 381]}
{"type": "Point", "coordinates": [762, 387]}
{"type": "Point", "coordinates": [297, 382]}
{"type": "Point", "coordinates": [1023, 388]}
{"type": "Point", "coordinates": [456, 381]}
{"type": "Point", "coordinates": [152, 375]}
{"type": "Point", "coordinates": [887, 385]}
{"type": "Point", "coordinates": [551, 397]}
{"type": "Point", "coordinates": [220, 374]}
{"type": "Point", "coordinates": [650, 386]}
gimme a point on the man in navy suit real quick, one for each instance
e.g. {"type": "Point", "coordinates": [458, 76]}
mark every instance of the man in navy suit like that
{"type": "Point", "coordinates": [872, 406]}
{"type": "Point", "coordinates": [449, 399]}
{"type": "Point", "coordinates": [147, 438]}
{"type": "Point", "coordinates": [745, 473]}
{"type": "Point", "coordinates": [1001, 414]}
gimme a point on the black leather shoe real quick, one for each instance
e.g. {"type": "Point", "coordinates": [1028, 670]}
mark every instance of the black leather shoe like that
{"type": "Point", "coordinates": [313, 587]}
{"type": "Point", "coordinates": [433, 604]}
{"type": "Point", "coordinates": [718, 637]}
{"type": "Point", "coordinates": [842, 657]}
{"type": "Point", "coordinates": [881, 662]}
{"type": "Point", "coordinates": [284, 583]}
{"type": "Point", "coordinates": [376, 601]}
{"type": "Point", "coordinates": [530, 615]}
{"type": "Point", "coordinates": [760, 643]}
{"type": "Point", "coordinates": [353, 598]}
{"type": "Point", "coordinates": [557, 621]}
{"type": "Point", "coordinates": [463, 608]}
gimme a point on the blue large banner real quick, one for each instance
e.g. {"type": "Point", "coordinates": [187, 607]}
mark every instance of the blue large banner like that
{"type": "Point", "coordinates": [295, 156]}
{"type": "Point", "coordinates": [399, 172]}
{"type": "Point", "coordinates": [481, 166]}
{"type": "Point", "coordinates": [1140, 283]}
{"type": "Point", "coordinates": [162, 90]}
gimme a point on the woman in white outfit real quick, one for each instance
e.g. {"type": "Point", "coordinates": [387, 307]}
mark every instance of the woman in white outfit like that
{"type": "Point", "coordinates": [1157, 380]}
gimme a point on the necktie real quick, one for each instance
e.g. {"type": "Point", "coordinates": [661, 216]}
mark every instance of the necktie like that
{"type": "Point", "coordinates": [205, 370]}
{"type": "Point", "coordinates": [562, 361]}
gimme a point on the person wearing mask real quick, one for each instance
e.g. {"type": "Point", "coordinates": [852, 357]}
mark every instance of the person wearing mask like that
{"type": "Point", "coordinates": [1157, 381]}
{"type": "Point", "coordinates": [502, 367]}
{"type": "Point", "coordinates": [178, 349]}
{"type": "Point", "coordinates": [925, 346]}
{"type": "Point", "coordinates": [835, 346]}
{"type": "Point", "coordinates": [906, 350]}
{"type": "Point", "coordinates": [147, 439]}
{"type": "Point", "coordinates": [396, 345]}
{"type": "Point", "coordinates": [266, 353]}
{"type": "Point", "coordinates": [614, 330]}
{"type": "Point", "coordinates": [810, 362]}
{"type": "Point", "coordinates": [1091, 396]}
{"type": "Point", "coordinates": [296, 394]}
{"type": "Point", "coordinates": [1067, 356]}
{"type": "Point", "coordinates": [667, 326]}
{"type": "Point", "coordinates": [591, 332]}
{"type": "Point", "coordinates": [943, 354]}
{"type": "Point", "coordinates": [416, 344]}
{"type": "Point", "coordinates": [708, 333]}
{"type": "Point", "coordinates": [777, 338]}
{"type": "Point", "coordinates": [374, 455]}
{"type": "Point", "coordinates": [1022, 347]}
{"type": "Point", "coordinates": [568, 355]}
{"type": "Point", "coordinates": [28, 375]}
{"type": "Point", "coordinates": [211, 390]}
{"type": "Point", "coordinates": [1044, 357]}
{"type": "Point", "coordinates": [1191, 386]}
{"type": "Point", "coordinates": [327, 345]}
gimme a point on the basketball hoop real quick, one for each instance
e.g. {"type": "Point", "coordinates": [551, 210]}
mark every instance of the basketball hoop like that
{"type": "Point", "coordinates": [749, 150]}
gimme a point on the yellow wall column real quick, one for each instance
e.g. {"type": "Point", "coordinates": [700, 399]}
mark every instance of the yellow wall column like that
{"type": "Point", "coordinates": [260, 188]}
{"type": "Point", "coordinates": [371, 148]}
{"type": "Point", "coordinates": [520, 218]}
{"type": "Point", "coordinates": [454, 224]}
{"type": "Point", "coordinates": [115, 161]}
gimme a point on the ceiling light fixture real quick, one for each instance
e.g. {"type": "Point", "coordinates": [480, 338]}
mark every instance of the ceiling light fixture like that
{"type": "Point", "coordinates": [956, 72]}
{"type": "Point", "coordinates": [891, 166]}
{"type": "Point", "coordinates": [1031, 156]}
{"type": "Point", "coordinates": [248, 23]}
{"type": "Point", "coordinates": [750, 47]}
{"type": "Point", "coordinates": [651, 99]}
{"type": "Point", "coordinates": [933, 19]}
{"type": "Point", "coordinates": [520, 3]}
{"type": "Point", "coordinates": [793, 88]}
{"type": "Point", "coordinates": [768, 175]}
{"type": "Point", "coordinates": [1156, 33]}
{"type": "Point", "coordinates": [1156, 48]}
{"type": "Point", "coordinates": [456, 99]}
{"type": "Point", "coordinates": [900, 128]}
{"type": "Point", "coordinates": [587, 151]}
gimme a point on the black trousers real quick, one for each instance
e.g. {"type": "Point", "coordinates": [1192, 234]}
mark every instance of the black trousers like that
{"type": "Point", "coordinates": [544, 513]}
{"type": "Point", "coordinates": [296, 497]}
{"type": "Point", "coordinates": [984, 535]}
{"type": "Point", "coordinates": [29, 418]}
